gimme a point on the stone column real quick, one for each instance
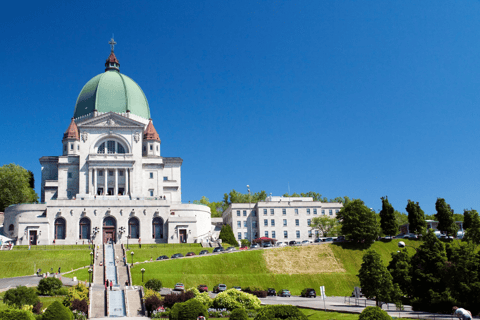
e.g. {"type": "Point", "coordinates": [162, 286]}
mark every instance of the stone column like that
{"type": "Point", "coordinates": [127, 182]}
{"type": "Point", "coordinates": [106, 185]}
{"type": "Point", "coordinates": [89, 181]}
{"type": "Point", "coordinates": [116, 181]}
{"type": "Point", "coordinates": [95, 178]}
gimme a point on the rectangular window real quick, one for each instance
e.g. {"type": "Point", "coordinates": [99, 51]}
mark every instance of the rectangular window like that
{"type": "Point", "coordinates": [273, 235]}
{"type": "Point", "coordinates": [309, 233]}
{"type": "Point", "coordinates": [308, 211]}
{"type": "Point", "coordinates": [272, 211]}
{"type": "Point", "coordinates": [70, 175]}
{"type": "Point", "coordinates": [264, 212]}
{"type": "Point", "coordinates": [245, 223]}
{"type": "Point", "coordinates": [297, 222]}
{"type": "Point", "coordinates": [309, 222]}
{"type": "Point", "coordinates": [254, 213]}
{"type": "Point", "coordinates": [266, 234]}
{"type": "Point", "coordinates": [71, 146]}
{"type": "Point", "coordinates": [165, 178]}
{"type": "Point", "coordinates": [239, 236]}
{"type": "Point", "coordinates": [323, 212]}
{"type": "Point", "coordinates": [296, 211]}
{"type": "Point", "coordinates": [239, 224]}
{"type": "Point", "coordinates": [151, 175]}
{"type": "Point", "coordinates": [238, 213]}
{"type": "Point", "coordinates": [314, 211]}
{"type": "Point", "coordinates": [120, 173]}
{"type": "Point", "coordinates": [272, 222]}
{"type": "Point", "coordinates": [336, 211]}
{"type": "Point", "coordinates": [244, 213]}
{"type": "Point", "coordinates": [151, 192]}
{"type": "Point", "coordinates": [330, 211]}
{"type": "Point", "coordinates": [254, 223]}
{"type": "Point", "coordinates": [100, 173]}
{"type": "Point", "coordinates": [111, 146]}
{"type": "Point", "coordinates": [284, 222]}
{"type": "Point", "coordinates": [298, 234]}
{"type": "Point", "coordinates": [284, 212]}
{"type": "Point", "coordinates": [245, 235]}
{"type": "Point", "coordinates": [110, 173]}
{"type": "Point", "coordinates": [265, 222]}
{"type": "Point", "coordinates": [285, 234]}
{"type": "Point", "coordinates": [151, 148]}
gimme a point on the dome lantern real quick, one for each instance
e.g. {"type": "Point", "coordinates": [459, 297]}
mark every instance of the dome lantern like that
{"type": "Point", "coordinates": [112, 61]}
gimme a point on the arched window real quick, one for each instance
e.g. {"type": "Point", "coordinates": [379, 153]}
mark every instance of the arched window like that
{"type": "Point", "coordinates": [111, 146]}
{"type": "Point", "coordinates": [60, 226]}
{"type": "Point", "coordinates": [133, 228]}
{"type": "Point", "coordinates": [10, 227]}
{"type": "Point", "coordinates": [84, 228]}
{"type": "Point", "coordinates": [109, 222]}
{"type": "Point", "coordinates": [157, 225]}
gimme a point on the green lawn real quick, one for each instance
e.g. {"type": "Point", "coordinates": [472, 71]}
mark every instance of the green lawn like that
{"type": "Point", "coordinates": [322, 315]}
{"type": "Point", "coordinates": [45, 300]}
{"type": "Point", "coordinates": [20, 262]}
{"type": "Point", "coordinates": [249, 269]}
{"type": "Point", "coordinates": [153, 251]}
{"type": "Point", "coordinates": [81, 274]}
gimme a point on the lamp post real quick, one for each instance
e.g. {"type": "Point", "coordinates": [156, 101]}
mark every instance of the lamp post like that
{"type": "Point", "coordinates": [90, 276]}
{"type": "Point", "coordinates": [131, 253]}
{"type": "Point", "coordinates": [128, 237]}
{"type": "Point", "coordinates": [91, 258]}
{"type": "Point", "coordinates": [143, 271]}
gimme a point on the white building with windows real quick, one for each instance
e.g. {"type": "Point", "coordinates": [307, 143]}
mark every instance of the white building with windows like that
{"type": "Point", "coordinates": [111, 181]}
{"type": "Point", "coordinates": [281, 218]}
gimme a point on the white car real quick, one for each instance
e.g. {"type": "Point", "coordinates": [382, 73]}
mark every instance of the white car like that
{"type": "Point", "coordinates": [280, 244]}
{"type": "Point", "coordinates": [179, 287]}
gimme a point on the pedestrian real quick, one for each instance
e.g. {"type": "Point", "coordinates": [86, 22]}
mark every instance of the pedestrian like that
{"type": "Point", "coordinates": [151, 259]}
{"type": "Point", "coordinates": [140, 243]}
{"type": "Point", "coordinates": [59, 270]}
{"type": "Point", "coordinates": [126, 283]}
{"type": "Point", "coordinates": [462, 313]}
{"type": "Point", "coordinates": [111, 285]}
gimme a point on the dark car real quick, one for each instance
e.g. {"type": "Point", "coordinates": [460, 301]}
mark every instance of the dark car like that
{"type": "Point", "coordinates": [202, 288]}
{"type": "Point", "coordinates": [230, 249]}
{"type": "Point", "coordinates": [317, 240]}
{"type": "Point", "coordinates": [267, 245]}
{"type": "Point", "coordinates": [204, 252]}
{"type": "Point", "coordinates": [340, 239]}
{"type": "Point", "coordinates": [190, 254]}
{"type": "Point", "coordinates": [218, 249]}
{"type": "Point", "coordinates": [177, 255]}
{"type": "Point", "coordinates": [292, 243]}
{"type": "Point", "coordinates": [329, 239]}
{"type": "Point", "coordinates": [219, 288]}
{"type": "Point", "coordinates": [309, 293]}
{"type": "Point", "coordinates": [162, 257]}
{"type": "Point", "coordinates": [271, 292]}
{"type": "Point", "coordinates": [284, 293]}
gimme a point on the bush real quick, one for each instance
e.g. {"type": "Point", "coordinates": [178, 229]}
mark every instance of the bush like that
{"type": "Point", "coordinates": [173, 298]}
{"type": "Point", "coordinates": [20, 296]}
{"type": "Point", "coordinates": [57, 312]}
{"type": "Point", "coordinates": [48, 286]}
{"type": "Point", "coordinates": [189, 310]}
{"type": "Point", "coordinates": [79, 292]}
{"type": "Point", "coordinates": [374, 313]}
{"type": "Point", "coordinates": [63, 291]}
{"type": "Point", "coordinates": [37, 308]}
{"type": "Point", "coordinates": [153, 284]}
{"type": "Point", "coordinates": [15, 314]}
{"type": "Point", "coordinates": [239, 314]}
{"type": "Point", "coordinates": [152, 303]}
{"type": "Point", "coordinates": [277, 312]}
{"type": "Point", "coordinates": [233, 299]}
{"type": "Point", "coordinates": [227, 236]}
{"type": "Point", "coordinates": [149, 293]}
{"type": "Point", "coordinates": [79, 305]}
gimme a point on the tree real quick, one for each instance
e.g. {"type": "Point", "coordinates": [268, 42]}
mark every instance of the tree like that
{"type": "Point", "coordinates": [215, 207]}
{"type": "Point", "coordinates": [472, 233]}
{"type": "Point", "coordinates": [467, 217]}
{"type": "Point", "coordinates": [388, 222]}
{"type": "Point", "coordinates": [399, 268]}
{"type": "Point", "coordinates": [245, 243]}
{"type": "Point", "coordinates": [375, 280]}
{"type": "Point", "coordinates": [324, 224]}
{"type": "Point", "coordinates": [227, 236]}
{"type": "Point", "coordinates": [416, 218]}
{"type": "Point", "coordinates": [358, 222]}
{"type": "Point", "coordinates": [401, 218]}
{"type": "Point", "coordinates": [154, 284]}
{"type": "Point", "coordinates": [374, 313]}
{"type": "Point", "coordinates": [446, 221]}
{"type": "Point", "coordinates": [20, 296]}
{"type": "Point", "coordinates": [48, 286]}
{"type": "Point", "coordinates": [56, 311]}
{"type": "Point", "coordinates": [237, 197]}
{"type": "Point", "coordinates": [15, 186]}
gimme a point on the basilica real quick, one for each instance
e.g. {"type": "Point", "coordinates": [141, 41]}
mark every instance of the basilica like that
{"type": "Point", "coordinates": [111, 182]}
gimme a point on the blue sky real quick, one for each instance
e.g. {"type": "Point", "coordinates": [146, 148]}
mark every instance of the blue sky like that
{"type": "Point", "coordinates": [346, 98]}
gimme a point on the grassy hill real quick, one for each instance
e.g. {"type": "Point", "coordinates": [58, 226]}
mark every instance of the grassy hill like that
{"type": "Point", "coordinates": [292, 268]}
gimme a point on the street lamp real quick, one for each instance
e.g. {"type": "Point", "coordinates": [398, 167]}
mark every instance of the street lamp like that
{"type": "Point", "coordinates": [90, 276]}
{"type": "Point", "coordinates": [131, 253]}
{"type": "Point", "coordinates": [143, 271]}
{"type": "Point", "coordinates": [127, 241]}
{"type": "Point", "coordinates": [91, 258]}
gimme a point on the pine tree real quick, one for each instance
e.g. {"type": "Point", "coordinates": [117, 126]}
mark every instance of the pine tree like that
{"type": "Point", "coordinates": [227, 236]}
{"type": "Point", "coordinates": [388, 221]}
{"type": "Point", "coordinates": [416, 218]}
{"type": "Point", "coordinates": [446, 221]}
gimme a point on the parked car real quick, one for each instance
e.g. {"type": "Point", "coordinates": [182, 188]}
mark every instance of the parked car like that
{"type": "Point", "coordinates": [179, 287]}
{"type": "Point", "coordinates": [202, 288]}
{"type": "Point", "coordinates": [162, 257]}
{"type": "Point", "coordinates": [190, 254]}
{"type": "Point", "coordinates": [267, 245]}
{"type": "Point", "coordinates": [218, 249]}
{"type": "Point", "coordinates": [204, 252]}
{"type": "Point", "coordinates": [329, 239]}
{"type": "Point", "coordinates": [177, 255]}
{"type": "Point", "coordinates": [280, 244]}
{"type": "Point", "coordinates": [292, 243]}
{"type": "Point", "coordinates": [243, 248]}
{"type": "Point", "coordinates": [238, 288]}
{"type": "Point", "coordinates": [305, 242]}
{"type": "Point", "coordinates": [230, 249]}
{"type": "Point", "coordinates": [341, 239]}
{"type": "Point", "coordinates": [284, 293]}
{"type": "Point", "coordinates": [271, 292]}
{"type": "Point", "coordinates": [309, 293]}
{"type": "Point", "coordinates": [254, 246]}
{"type": "Point", "coordinates": [317, 240]}
{"type": "Point", "coordinates": [219, 288]}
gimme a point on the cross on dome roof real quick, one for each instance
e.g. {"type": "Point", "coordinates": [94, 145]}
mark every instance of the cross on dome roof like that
{"type": "Point", "coordinates": [112, 61]}
{"type": "Point", "coordinates": [112, 43]}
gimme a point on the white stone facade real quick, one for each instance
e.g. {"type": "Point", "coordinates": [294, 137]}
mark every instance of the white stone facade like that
{"type": "Point", "coordinates": [280, 218]}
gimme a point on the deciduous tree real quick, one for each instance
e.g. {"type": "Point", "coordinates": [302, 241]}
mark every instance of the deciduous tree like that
{"type": "Point", "coordinates": [388, 221]}
{"type": "Point", "coordinates": [467, 217]}
{"type": "Point", "coordinates": [472, 233]}
{"type": "Point", "coordinates": [15, 186]}
{"type": "Point", "coordinates": [358, 222]}
{"type": "Point", "coordinates": [416, 218]}
{"type": "Point", "coordinates": [324, 224]}
{"type": "Point", "coordinates": [446, 221]}
{"type": "Point", "coordinates": [399, 268]}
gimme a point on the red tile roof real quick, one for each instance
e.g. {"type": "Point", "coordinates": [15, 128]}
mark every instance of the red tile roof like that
{"type": "Point", "coordinates": [112, 58]}
{"type": "Point", "coordinates": [72, 132]}
{"type": "Point", "coordinates": [150, 133]}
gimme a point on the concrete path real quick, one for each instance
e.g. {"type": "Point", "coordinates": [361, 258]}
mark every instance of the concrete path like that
{"type": "Point", "coordinates": [134, 304]}
{"type": "Point", "coordinates": [98, 302]}
{"type": "Point", "coordinates": [29, 281]}
{"type": "Point", "coordinates": [98, 270]}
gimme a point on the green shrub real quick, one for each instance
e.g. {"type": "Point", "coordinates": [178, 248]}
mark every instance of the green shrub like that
{"type": "Point", "coordinates": [277, 312]}
{"type": "Point", "coordinates": [15, 314]}
{"type": "Point", "coordinates": [189, 310]}
{"type": "Point", "coordinates": [79, 292]}
{"type": "Point", "coordinates": [20, 296]}
{"type": "Point", "coordinates": [203, 297]}
{"type": "Point", "coordinates": [173, 298]}
{"type": "Point", "coordinates": [233, 299]}
{"type": "Point", "coordinates": [37, 308]}
{"type": "Point", "coordinates": [239, 314]}
{"type": "Point", "coordinates": [153, 284]}
{"type": "Point", "coordinates": [63, 291]}
{"type": "Point", "coordinates": [48, 286]}
{"type": "Point", "coordinates": [153, 303]}
{"type": "Point", "coordinates": [150, 292]}
{"type": "Point", "coordinates": [374, 313]}
{"type": "Point", "coordinates": [57, 312]}
{"type": "Point", "coordinates": [79, 305]}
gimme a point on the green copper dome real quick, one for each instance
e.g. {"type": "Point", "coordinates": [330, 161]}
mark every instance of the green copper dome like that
{"type": "Point", "coordinates": [112, 91]}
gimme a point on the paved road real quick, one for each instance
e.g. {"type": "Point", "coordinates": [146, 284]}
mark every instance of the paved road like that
{"type": "Point", "coordinates": [29, 281]}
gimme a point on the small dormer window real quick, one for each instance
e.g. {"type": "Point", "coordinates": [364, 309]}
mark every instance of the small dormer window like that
{"type": "Point", "coordinates": [71, 146]}
{"type": "Point", "coordinates": [151, 147]}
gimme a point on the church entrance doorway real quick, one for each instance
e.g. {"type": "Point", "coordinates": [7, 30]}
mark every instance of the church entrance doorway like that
{"type": "Point", "coordinates": [183, 235]}
{"type": "Point", "coordinates": [109, 230]}
{"type": "Point", "coordinates": [33, 237]}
